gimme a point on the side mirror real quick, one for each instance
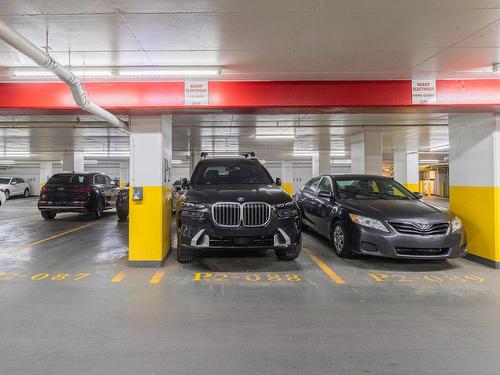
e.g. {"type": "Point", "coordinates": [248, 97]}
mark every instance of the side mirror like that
{"type": "Point", "coordinates": [418, 194]}
{"type": "Point", "coordinates": [177, 188]}
{"type": "Point", "coordinates": [325, 194]}
{"type": "Point", "coordinates": [184, 183]}
{"type": "Point", "coordinates": [278, 181]}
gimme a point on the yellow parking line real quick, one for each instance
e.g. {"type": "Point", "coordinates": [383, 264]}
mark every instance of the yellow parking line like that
{"type": "Point", "coordinates": [118, 277]}
{"type": "Point", "coordinates": [157, 277]}
{"type": "Point", "coordinates": [332, 275]}
{"type": "Point", "coordinates": [53, 237]}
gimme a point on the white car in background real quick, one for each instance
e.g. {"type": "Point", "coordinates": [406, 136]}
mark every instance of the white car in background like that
{"type": "Point", "coordinates": [12, 186]}
{"type": "Point", "coordinates": [3, 198]}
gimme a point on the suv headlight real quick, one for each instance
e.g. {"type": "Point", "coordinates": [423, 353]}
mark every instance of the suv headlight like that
{"type": "Point", "coordinates": [286, 210]}
{"type": "Point", "coordinates": [192, 210]}
{"type": "Point", "coordinates": [368, 222]}
{"type": "Point", "coordinates": [456, 224]}
{"type": "Point", "coordinates": [194, 205]}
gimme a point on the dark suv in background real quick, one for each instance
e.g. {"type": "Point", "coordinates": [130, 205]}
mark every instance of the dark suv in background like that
{"type": "Point", "coordinates": [77, 192]}
{"type": "Point", "coordinates": [233, 203]}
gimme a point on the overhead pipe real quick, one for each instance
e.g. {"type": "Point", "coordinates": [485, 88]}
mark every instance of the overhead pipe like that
{"type": "Point", "coordinates": [23, 45]}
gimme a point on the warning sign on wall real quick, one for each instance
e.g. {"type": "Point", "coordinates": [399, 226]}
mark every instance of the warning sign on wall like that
{"type": "Point", "coordinates": [196, 93]}
{"type": "Point", "coordinates": [423, 91]}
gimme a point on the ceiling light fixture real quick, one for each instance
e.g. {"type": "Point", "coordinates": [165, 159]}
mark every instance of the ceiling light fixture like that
{"type": "Point", "coordinates": [274, 136]}
{"type": "Point", "coordinates": [122, 71]}
{"type": "Point", "coordinates": [437, 148]}
{"type": "Point", "coordinates": [6, 162]}
{"type": "Point", "coordinates": [433, 161]}
{"type": "Point", "coordinates": [176, 162]}
{"type": "Point", "coordinates": [170, 71]}
{"type": "Point", "coordinates": [16, 154]}
{"type": "Point", "coordinates": [345, 161]}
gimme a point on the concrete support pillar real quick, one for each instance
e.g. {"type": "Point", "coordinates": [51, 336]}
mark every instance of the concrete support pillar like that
{"type": "Point", "coordinates": [150, 166]}
{"type": "Point", "coordinates": [287, 176]}
{"type": "Point", "coordinates": [366, 153]}
{"type": "Point", "coordinates": [73, 161]}
{"type": "Point", "coordinates": [193, 160]}
{"type": "Point", "coordinates": [475, 181]}
{"type": "Point", "coordinates": [45, 172]}
{"type": "Point", "coordinates": [321, 162]}
{"type": "Point", "coordinates": [124, 175]}
{"type": "Point", "coordinates": [406, 169]}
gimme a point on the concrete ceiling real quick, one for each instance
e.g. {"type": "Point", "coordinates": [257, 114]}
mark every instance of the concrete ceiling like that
{"type": "Point", "coordinates": [262, 39]}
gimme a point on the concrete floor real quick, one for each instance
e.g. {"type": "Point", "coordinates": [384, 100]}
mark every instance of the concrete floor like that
{"type": "Point", "coordinates": [70, 304]}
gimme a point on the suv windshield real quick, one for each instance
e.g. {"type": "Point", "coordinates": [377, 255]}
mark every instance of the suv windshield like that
{"type": "Point", "coordinates": [371, 188]}
{"type": "Point", "coordinates": [4, 181]}
{"type": "Point", "coordinates": [229, 172]}
{"type": "Point", "coordinates": [67, 179]}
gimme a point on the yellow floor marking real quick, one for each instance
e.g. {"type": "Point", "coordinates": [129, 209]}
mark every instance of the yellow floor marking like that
{"type": "Point", "coordinates": [118, 277]}
{"type": "Point", "coordinates": [157, 277]}
{"type": "Point", "coordinates": [332, 275]}
{"type": "Point", "coordinates": [27, 246]}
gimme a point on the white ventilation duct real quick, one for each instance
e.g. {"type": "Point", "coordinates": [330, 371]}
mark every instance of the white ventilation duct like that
{"type": "Point", "coordinates": [23, 45]}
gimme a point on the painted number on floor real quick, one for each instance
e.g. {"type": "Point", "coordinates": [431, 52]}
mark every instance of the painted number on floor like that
{"type": "Point", "coordinates": [401, 278]}
{"type": "Point", "coordinates": [248, 277]}
{"type": "Point", "coordinates": [44, 276]}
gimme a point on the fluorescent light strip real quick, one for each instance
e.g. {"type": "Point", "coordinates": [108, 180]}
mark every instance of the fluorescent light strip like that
{"type": "Point", "coordinates": [274, 136]}
{"type": "Point", "coordinates": [125, 71]}
{"type": "Point", "coordinates": [311, 153]}
{"type": "Point", "coordinates": [15, 155]}
{"type": "Point", "coordinates": [174, 71]}
{"type": "Point", "coordinates": [429, 161]}
{"type": "Point", "coordinates": [6, 162]}
{"type": "Point", "coordinates": [437, 148]}
{"type": "Point", "coordinates": [176, 162]}
{"type": "Point", "coordinates": [345, 161]}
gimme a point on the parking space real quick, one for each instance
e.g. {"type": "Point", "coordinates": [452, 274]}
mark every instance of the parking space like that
{"type": "Point", "coordinates": [239, 313]}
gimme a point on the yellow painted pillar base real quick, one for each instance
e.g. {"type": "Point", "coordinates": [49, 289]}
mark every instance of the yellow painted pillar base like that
{"type": "Point", "coordinates": [287, 186]}
{"type": "Point", "coordinates": [122, 184]}
{"type": "Point", "coordinates": [412, 187]}
{"type": "Point", "coordinates": [150, 226]}
{"type": "Point", "coordinates": [479, 209]}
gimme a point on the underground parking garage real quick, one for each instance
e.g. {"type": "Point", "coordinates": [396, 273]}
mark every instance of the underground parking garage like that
{"type": "Point", "coordinates": [270, 188]}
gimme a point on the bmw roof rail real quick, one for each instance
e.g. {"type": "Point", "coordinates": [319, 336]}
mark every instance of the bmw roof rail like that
{"type": "Point", "coordinates": [246, 155]}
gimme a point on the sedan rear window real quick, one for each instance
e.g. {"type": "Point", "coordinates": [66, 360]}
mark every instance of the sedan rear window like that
{"type": "Point", "coordinates": [4, 181]}
{"type": "Point", "coordinates": [67, 179]}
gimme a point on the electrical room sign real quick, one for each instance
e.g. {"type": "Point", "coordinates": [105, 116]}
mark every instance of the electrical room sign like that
{"type": "Point", "coordinates": [196, 93]}
{"type": "Point", "coordinates": [423, 91]}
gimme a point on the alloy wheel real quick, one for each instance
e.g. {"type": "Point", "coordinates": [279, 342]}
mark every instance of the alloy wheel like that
{"type": "Point", "coordinates": [99, 209]}
{"type": "Point", "coordinates": [338, 239]}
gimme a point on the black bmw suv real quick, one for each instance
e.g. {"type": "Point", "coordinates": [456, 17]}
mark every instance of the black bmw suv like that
{"type": "Point", "coordinates": [233, 203]}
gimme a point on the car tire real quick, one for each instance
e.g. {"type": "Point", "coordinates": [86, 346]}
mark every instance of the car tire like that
{"type": "Point", "coordinates": [339, 241]}
{"type": "Point", "coordinates": [122, 215]}
{"type": "Point", "coordinates": [7, 194]}
{"type": "Point", "coordinates": [184, 255]}
{"type": "Point", "coordinates": [26, 193]}
{"type": "Point", "coordinates": [290, 254]}
{"type": "Point", "coordinates": [48, 215]}
{"type": "Point", "coordinates": [98, 209]}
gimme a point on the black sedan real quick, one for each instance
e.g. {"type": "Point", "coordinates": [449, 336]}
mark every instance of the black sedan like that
{"type": "Point", "coordinates": [375, 215]}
